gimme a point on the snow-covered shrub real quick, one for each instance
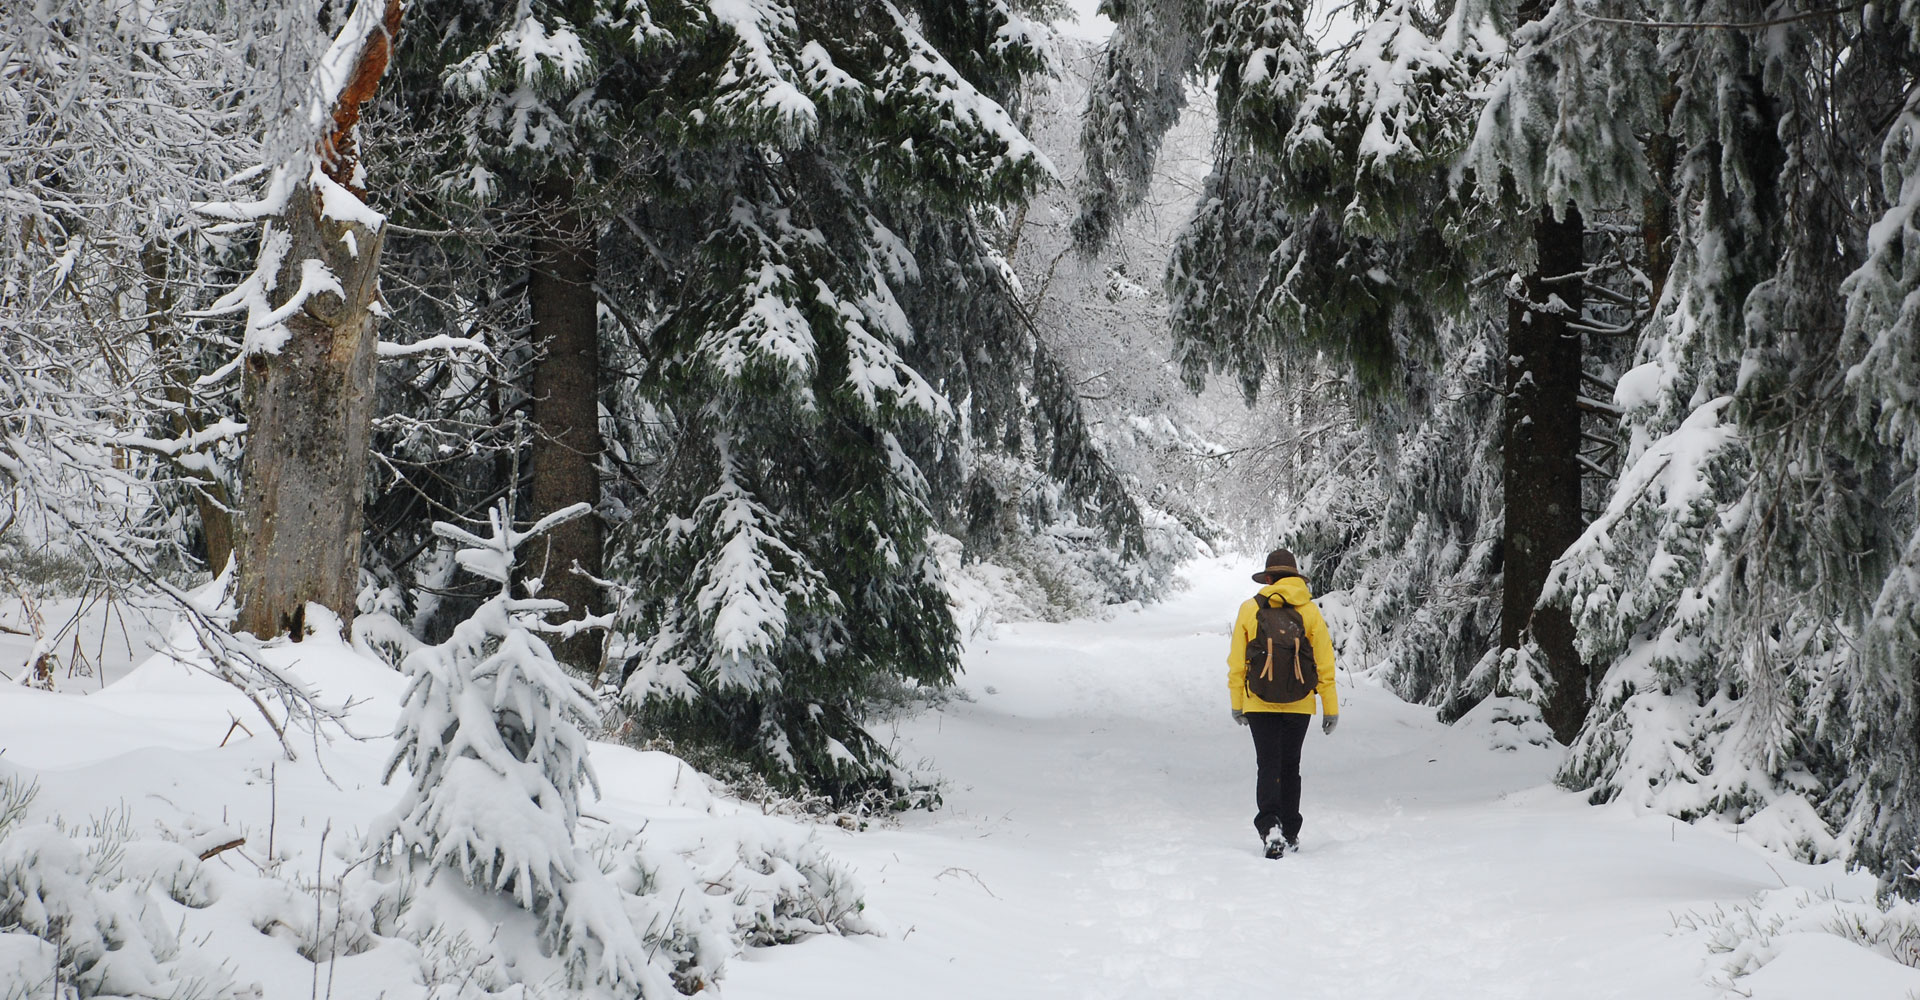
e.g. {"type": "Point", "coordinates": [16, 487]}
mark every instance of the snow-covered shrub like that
{"type": "Point", "coordinates": [456, 965]}
{"type": "Point", "coordinates": [83, 913]}
{"type": "Point", "coordinates": [1508, 723]}
{"type": "Point", "coordinates": [15, 796]}
{"type": "Point", "coordinates": [493, 736]}
{"type": "Point", "coordinates": [1745, 938]}
{"type": "Point", "coordinates": [756, 883]}
{"type": "Point", "coordinates": [694, 895]}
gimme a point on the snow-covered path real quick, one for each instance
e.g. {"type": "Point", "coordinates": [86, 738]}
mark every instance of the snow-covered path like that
{"type": "Point", "coordinates": [1097, 843]}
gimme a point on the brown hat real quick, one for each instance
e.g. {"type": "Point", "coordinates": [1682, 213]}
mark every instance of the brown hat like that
{"type": "Point", "coordinates": [1280, 563]}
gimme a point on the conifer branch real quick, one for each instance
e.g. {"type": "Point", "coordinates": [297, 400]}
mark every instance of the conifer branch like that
{"type": "Point", "coordinates": [1726, 25]}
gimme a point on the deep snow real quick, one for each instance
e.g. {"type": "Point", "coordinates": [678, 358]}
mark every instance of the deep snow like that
{"type": "Point", "coordinates": [1096, 842]}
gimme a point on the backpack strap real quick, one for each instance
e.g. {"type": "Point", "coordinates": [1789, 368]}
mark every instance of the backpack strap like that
{"type": "Point", "coordinates": [1262, 600]}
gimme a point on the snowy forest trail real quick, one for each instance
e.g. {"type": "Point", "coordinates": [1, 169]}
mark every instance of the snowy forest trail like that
{"type": "Point", "coordinates": [1097, 842]}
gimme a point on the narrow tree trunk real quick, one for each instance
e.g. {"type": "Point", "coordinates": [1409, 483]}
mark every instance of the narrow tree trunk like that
{"type": "Point", "coordinates": [309, 419]}
{"type": "Point", "coordinates": [1656, 219]}
{"type": "Point", "coordinates": [309, 404]}
{"type": "Point", "coordinates": [1540, 461]}
{"type": "Point", "coordinates": [566, 415]}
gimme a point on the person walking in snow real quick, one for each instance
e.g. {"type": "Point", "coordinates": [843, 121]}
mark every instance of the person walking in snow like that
{"type": "Point", "coordinates": [1279, 662]}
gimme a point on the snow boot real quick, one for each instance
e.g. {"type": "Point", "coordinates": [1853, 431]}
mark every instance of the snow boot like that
{"type": "Point", "coordinates": [1277, 844]}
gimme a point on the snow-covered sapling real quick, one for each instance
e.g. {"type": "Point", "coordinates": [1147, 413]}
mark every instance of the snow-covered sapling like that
{"type": "Point", "coordinates": [492, 731]}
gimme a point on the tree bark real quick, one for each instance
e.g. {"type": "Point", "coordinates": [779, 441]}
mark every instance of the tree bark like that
{"type": "Point", "coordinates": [566, 415]}
{"type": "Point", "coordinates": [309, 419]}
{"type": "Point", "coordinates": [309, 404]}
{"type": "Point", "coordinates": [1540, 461]}
{"type": "Point", "coordinates": [1656, 226]}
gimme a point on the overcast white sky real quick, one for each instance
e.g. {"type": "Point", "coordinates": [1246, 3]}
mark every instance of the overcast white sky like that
{"type": "Point", "coordinates": [1090, 24]}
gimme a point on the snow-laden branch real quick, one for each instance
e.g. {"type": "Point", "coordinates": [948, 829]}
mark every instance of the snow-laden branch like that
{"type": "Point", "coordinates": [491, 558]}
{"type": "Point", "coordinates": [223, 429]}
{"type": "Point", "coordinates": [267, 329]}
{"type": "Point", "coordinates": [441, 342]}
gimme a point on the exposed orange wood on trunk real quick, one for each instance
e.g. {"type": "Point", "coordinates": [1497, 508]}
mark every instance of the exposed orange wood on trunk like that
{"type": "Point", "coordinates": [338, 157]}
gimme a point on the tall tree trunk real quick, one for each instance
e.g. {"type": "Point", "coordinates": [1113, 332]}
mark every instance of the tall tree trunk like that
{"type": "Point", "coordinates": [1540, 461]}
{"type": "Point", "coordinates": [566, 415]}
{"type": "Point", "coordinates": [309, 404]}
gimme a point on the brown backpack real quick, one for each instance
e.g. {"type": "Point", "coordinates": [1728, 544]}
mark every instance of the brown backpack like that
{"type": "Point", "coordinates": [1280, 665]}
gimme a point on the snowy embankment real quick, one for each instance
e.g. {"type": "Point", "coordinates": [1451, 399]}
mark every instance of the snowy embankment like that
{"type": "Point", "coordinates": [1096, 842]}
{"type": "Point", "coordinates": [155, 842]}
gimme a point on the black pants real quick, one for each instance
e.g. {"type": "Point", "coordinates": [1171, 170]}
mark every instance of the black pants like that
{"type": "Point", "coordinates": [1277, 739]}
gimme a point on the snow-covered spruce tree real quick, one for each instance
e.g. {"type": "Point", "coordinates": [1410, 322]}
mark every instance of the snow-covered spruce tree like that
{"type": "Point", "coordinates": [1828, 510]}
{"type": "Point", "coordinates": [1881, 345]}
{"type": "Point", "coordinates": [1025, 477]}
{"type": "Point", "coordinates": [1736, 586]}
{"type": "Point", "coordinates": [531, 114]}
{"type": "Point", "coordinates": [780, 565]}
{"type": "Point", "coordinates": [492, 735]}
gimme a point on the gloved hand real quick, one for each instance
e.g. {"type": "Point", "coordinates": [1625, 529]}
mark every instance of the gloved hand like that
{"type": "Point", "coordinates": [1240, 717]}
{"type": "Point", "coordinates": [1327, 722]}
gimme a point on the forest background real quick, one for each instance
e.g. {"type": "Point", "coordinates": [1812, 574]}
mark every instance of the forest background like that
{"type": "Point", "coordinates": [1572, 344]}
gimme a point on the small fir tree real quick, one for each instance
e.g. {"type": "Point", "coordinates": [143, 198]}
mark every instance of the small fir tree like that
{"type": "Point", "coordinates": [492, 735]}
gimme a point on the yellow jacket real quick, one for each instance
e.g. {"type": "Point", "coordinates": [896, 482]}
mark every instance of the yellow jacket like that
{"type": "Point", "coordinates": [1294, 591]}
